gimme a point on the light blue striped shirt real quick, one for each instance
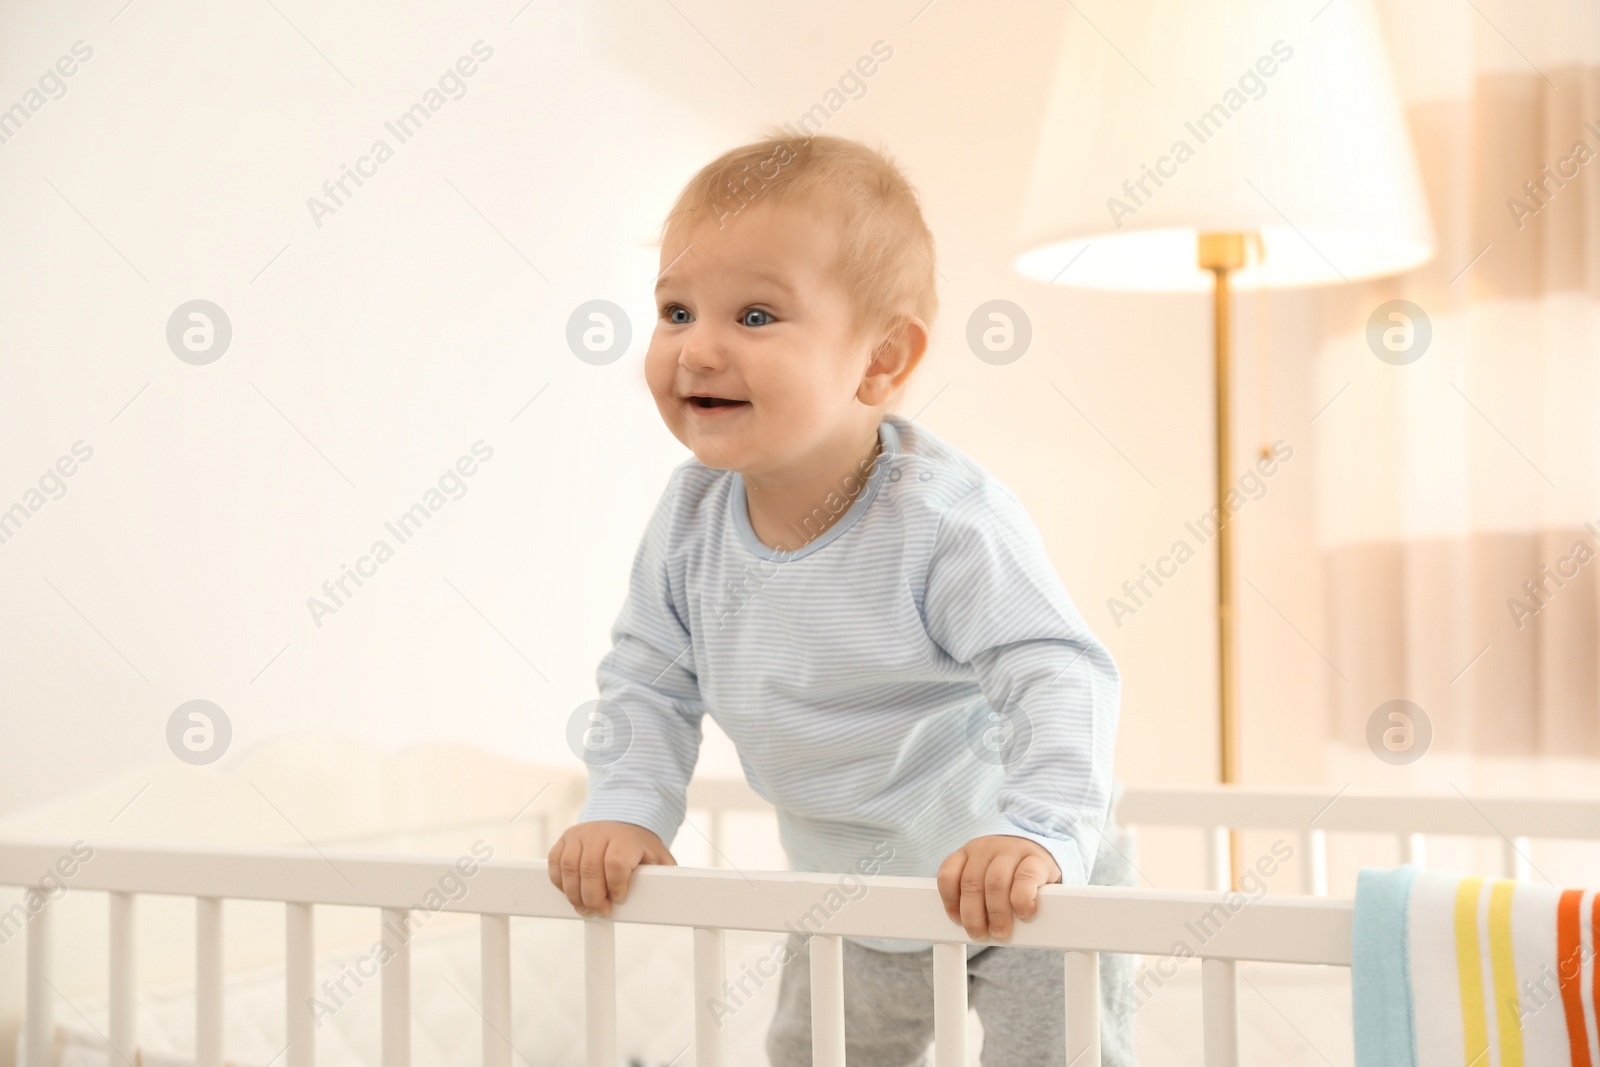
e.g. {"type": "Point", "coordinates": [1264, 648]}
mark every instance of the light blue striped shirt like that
{"type": "Point", "coordinates": [912, 678]}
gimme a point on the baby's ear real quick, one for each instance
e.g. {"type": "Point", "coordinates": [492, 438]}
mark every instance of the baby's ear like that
{"type": "Point", "coordinates": [893, 360]}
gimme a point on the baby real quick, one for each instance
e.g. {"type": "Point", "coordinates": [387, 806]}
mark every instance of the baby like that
{"type": "Point", "coordinates": [868, 614]}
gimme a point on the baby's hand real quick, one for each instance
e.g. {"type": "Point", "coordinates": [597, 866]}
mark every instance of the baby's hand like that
{"type": "Point", "coordinates": [592, 862]}
{"type": "Point", "coordinates": [989, 878]}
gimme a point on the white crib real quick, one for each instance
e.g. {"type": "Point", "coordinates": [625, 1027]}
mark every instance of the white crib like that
{"type": "Point", "coordinates": [1083, 921]}
{"type": "Point", "coordinates": [1307, 930]}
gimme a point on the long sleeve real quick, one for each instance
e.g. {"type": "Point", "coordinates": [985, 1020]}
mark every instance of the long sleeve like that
{"type": "Point", "coordinates": [643, 735]}
{"type": "Point", "coordinates": [993, 601]}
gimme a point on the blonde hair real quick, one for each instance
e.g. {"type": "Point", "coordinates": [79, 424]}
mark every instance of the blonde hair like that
{"type": "Point", "coordinates": [886, 250]}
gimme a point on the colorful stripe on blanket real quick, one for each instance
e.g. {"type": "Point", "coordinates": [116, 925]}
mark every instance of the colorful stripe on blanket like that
{"type": "Point", "coordinates": [1454, 971]}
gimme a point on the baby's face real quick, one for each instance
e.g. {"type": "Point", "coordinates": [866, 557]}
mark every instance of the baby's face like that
{"type": "Point", "coordinates": [753, 362]}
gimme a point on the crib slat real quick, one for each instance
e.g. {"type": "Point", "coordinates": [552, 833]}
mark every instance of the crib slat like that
{"type": "Point", "coordinates": [396, 988]}
{"type": "Point", "coordinates": [827, 1000]}
{"type": "Point", "coordinates": [1515, 855]}
{"type": "Point", "coordinates": [600, 996]}
{"type": "Point", "coordinates": [1219, 859]}
{"type": "Point", "coordinates": [208, 981]}
{"type": "Point", "coordinates": [716, 837]}
{"type": "Point", "coordinates": [1314, 862]}
{"type": "Point", "coordinates": [40, 1024]}
{"type": "Point", "coordinates": [299, 952]}
{"type": "Point", "coordinates": [1414, 850]}
{"type": "Point", "coordinates": [495, 955]}
{"type": "Point", "coordinates": [710, 965]}
{"type": "Point", "coordinates": [1083, 1006]}
{"type": "Point", "coordinates": [124, 1034]}
{"type": "Point", "coordinates": [1219, 1006]}
{"type": "Point", "coordinates": [949, 1004]}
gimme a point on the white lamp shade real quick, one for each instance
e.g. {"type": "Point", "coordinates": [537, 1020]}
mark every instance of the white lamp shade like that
{"type": "Point", "coordinates": [1169, 118]}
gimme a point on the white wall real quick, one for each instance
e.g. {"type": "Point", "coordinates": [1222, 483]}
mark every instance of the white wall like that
{"type": "Point", "coordinates": [372, 351]}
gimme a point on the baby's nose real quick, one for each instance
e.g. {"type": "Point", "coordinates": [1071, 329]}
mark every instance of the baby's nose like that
{"type": "Point", "coordinates": [702, 351]}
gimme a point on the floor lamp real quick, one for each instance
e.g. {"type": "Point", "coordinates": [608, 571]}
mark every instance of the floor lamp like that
{"type": "Point", "coordinates": [1188, 146]}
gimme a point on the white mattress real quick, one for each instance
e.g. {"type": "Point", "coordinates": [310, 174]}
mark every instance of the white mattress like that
{"type": "Point", "coordinates": [1289, 1016]}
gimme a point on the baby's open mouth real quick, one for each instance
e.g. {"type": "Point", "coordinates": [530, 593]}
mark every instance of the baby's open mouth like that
{"type": "Point", "coordinates": [708, 402]}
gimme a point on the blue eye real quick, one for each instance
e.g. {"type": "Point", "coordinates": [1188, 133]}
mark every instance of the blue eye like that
{"type": "Point", "coordinates": [670, 312]}
{"type": "Point", "coordinates": [745, 319]}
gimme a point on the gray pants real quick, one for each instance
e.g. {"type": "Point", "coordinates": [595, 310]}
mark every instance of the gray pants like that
{"type": "Point", "coordinates": [1018, 993]}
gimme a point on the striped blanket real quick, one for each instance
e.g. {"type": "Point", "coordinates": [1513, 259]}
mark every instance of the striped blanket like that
{"type": "Point", "coordinates": [1454, 971]}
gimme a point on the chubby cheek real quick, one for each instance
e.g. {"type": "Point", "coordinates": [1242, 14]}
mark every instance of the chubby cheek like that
{"type": "Point", "coordinates": [658, 367]}
{"type": "Point", "coordinates": [658, 374]}
{"type": "Point", "coordinates": [807, 396]}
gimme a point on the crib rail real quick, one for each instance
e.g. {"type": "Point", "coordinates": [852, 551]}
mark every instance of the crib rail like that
{"type": "Point", "coordinates": [1083, 921]}
{"type": "Point", "coordinates": [1309, 813]}
{"type": "Point", "coordinates": [1248, 807]}
{"type": "Point", "coordinates": [1410, 818]}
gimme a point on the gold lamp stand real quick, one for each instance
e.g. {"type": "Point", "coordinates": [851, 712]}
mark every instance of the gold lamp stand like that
{"type": "Point", "coordinates": [1222, 254]}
